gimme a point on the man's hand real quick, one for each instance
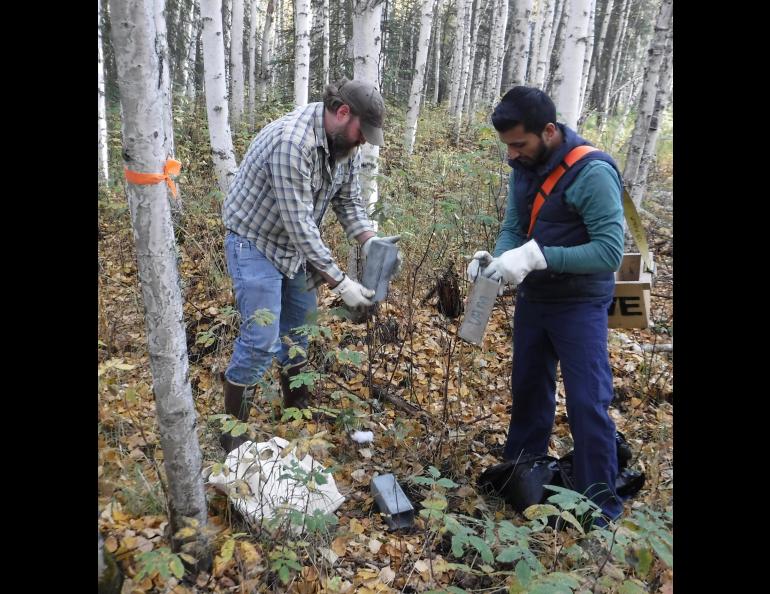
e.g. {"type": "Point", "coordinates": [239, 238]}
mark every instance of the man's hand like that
{"type": "Point", "coordinates": [353, 294]}
{"type": "Point", "coordinates": [366, 246]}
{"type": "Point", "coordinates": [479, 259]}
{"type": "Point", "coordinates": [514, 265]}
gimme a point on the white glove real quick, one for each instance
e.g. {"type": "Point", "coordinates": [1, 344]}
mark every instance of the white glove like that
{"type": "Point", "coordinates": [512, 266]}
{"type": "Point", "coordinates": [390, 239]}
{"type": "Point", "coordinates": [479, 259]}
{"type": "Point", "coordinates": [353, 293]}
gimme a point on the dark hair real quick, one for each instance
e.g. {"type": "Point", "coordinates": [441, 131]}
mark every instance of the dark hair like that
{"type": "Point", "coordinates": [524, 105]}
{"type": "Point", "coordinates": [332, 99]}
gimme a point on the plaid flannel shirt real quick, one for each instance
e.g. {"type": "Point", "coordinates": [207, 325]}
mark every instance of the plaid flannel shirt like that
{"type": "Point", "coordinates": [282, 189]}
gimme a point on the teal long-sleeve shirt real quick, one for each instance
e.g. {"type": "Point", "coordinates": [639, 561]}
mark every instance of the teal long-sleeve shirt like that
{"type": "Point", "coordinates": [596, 194]}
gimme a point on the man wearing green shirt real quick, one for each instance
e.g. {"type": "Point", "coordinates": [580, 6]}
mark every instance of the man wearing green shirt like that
{"type": "Point", "coordinates": [561, 254]}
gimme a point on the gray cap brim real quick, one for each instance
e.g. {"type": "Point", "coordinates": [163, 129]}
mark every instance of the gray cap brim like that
{"type": "Point", "coordinates": [373, 134]}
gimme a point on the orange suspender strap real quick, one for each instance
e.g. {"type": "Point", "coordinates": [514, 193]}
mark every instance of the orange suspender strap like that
{"type": "Point", "coordinates": [570, 159]}
{"type": "Point", "coordinates": [171, 167]}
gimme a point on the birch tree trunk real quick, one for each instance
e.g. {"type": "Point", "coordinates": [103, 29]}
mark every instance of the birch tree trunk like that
{"type": "Point", "coordinates": [598, 54]}
{"type": "Point", "coordinates": [464, 65]}
{"type": "Point", "coordinates": [587, 60]}
{"type": "Point", "coordinates": [471, 85]}
{"type": "Point", "coordinates": [661, 102]}
{"type": "Point", "coordinates": [367, 35]}
{"type": "Point", "coordinates": [236, 65]}
{"type": "Point", "coordinates": [216, 93]}
{"type": "Point", "coordinates": [104, 174]}
{"type": "Point", "coordinates": [561, 17]}
{"type": "Point", "coordinates": [517, 67]}
{"type": "Point", "coordinates": [657, 53]}
{"type": "Point", "coordinates": [535, 41]}
{"type": "Point", "coordinates": [496, 49]}
{"type": "Point", "coordinates": [303, 20]}
{"type": "Point", "coordinates": [612, 60]}
{"type": "Point", "coordinates": [437, 53]}
{"type": "Point", "coordinates": [159, 15]}
{"type": "Point", "coordinates": [457, 57]}
{"type": "Point", "coordinates": [135, 41]}
{"type": "Point", "coordinates": [543, 55]}
{"type": "Point", "coordinates": [566, 93]}
{"type": "Point", "coordinates": [253, 25]}
{"type": "Point", "coordinates": [227, 15]}
{"type": "Point", "coordinates": [192, 56]}
{"type": "Point", "coordinates": [188, 42]}
{"type": "Point", "coordinates": [265, 66]}
{"type": "Point", "coordinates": [423, 42]}
{"type": "Point", "coordinates": [326, 42]}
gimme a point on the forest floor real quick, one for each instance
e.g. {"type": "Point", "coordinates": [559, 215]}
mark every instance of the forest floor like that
{"type": "Point", "coordinates": [450, 411]}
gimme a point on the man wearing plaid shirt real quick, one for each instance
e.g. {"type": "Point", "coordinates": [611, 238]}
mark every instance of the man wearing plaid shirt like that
{"type": "Point", "coordinates": [294, 169]}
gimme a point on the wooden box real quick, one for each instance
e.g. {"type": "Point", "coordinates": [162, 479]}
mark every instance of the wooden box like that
{"type": "Point", "coordinates": [631, 306]}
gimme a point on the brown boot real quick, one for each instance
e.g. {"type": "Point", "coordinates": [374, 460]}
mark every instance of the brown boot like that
{"type": "Point", "coordinates": [238, 404]}
{"type": "Point", "coordinates": [298, 397]}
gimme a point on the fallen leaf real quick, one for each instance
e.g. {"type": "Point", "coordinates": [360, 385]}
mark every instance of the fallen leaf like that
{"type": "Point", "coordinates": [356, 527]}
{"type": "Point", "coordinates": [387, 575]}
{"type": "Point", "coordinates": [374, 545]}
{"type": "Point", "coordinates": [111, 544]}
{"type": "Point", "coordinates": [339, 546]}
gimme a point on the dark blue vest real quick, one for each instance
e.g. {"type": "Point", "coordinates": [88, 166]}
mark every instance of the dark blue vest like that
{"type": "Point", "coordinates": [558, 224]}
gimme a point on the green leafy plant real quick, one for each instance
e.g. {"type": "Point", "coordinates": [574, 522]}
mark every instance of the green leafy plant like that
{"type": "Point", "coordinates": [283, 560]}
{"type": "Point", "coordinates": [160, 561]}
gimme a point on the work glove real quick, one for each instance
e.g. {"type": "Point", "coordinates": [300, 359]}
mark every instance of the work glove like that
{"type": "Point", "coordinates": [480, 259]}
{"type": "Point", "coordinates": [390, 239]}
{"type": "Point", "coordinates": [514, 265]}
{"type": "Point", "coordinates": [353, 294]}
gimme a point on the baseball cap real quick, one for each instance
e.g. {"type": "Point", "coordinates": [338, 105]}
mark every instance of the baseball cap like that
{"type": "Point", "coordinates": [366, 102]}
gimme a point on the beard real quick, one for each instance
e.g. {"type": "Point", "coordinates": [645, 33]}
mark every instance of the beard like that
{"type": "Point", "coordinates": [539, 159]}
{"type": "Point", "coordinates": [339, 144]}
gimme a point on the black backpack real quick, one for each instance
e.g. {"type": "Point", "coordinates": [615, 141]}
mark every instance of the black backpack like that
{"type": "Point", "coordinates": [521, 482]}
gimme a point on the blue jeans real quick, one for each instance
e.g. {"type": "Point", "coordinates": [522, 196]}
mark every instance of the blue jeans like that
{"type": "Point", "coordinates": [576, 335]}
{"type": "Point", "coordinates": [258, 285]}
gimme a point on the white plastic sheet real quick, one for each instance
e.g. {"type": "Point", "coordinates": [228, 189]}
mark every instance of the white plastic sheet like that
{"type": "Point", "coordinates": [275, 481]}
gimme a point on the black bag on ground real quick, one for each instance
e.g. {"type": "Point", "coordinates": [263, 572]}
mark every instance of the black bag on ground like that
{"type": "Point", "coordinates": [521, 482]}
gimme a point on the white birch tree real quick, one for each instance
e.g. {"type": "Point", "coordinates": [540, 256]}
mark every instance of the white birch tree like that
{"type": "Point", "coordinates": [303, 21]}
{"type": "Point", "coordinates": [496, 49]}
{"type": "Point", "coordinates": [535, 44]}
{"type": "Point", "coordinates": [216, 93]}
{"type": "Point", "coordinates": [413, 111]}
{"type": "Point", "coordinates": [598, 53]}
{"type": "Point", "coordinates": [189, 38]}
{"type": "Point", "coordinates": [265, 63]}
{"type": "Point", "coordinates": [104, 174]}
{"type": "Point", "coordinates": [437, 53]}
{"type": "Point", "coordinates": [543, 52]}
{"type": "Point", "coordinates": [475, 16]}
{"type": "Point", "coordinates": [457, 56]}
{"type": "Point", "coordinates": [367, 35]}
{"type": "Point", "coordinates": [587, 59]}
{"type": "Point", "coordinates": [326, 42]}
{"type": "Point", "coordinates": [656, 55]}
{"type": "Point", "coordinates": [135, 40]}
{"type": "Point", "coordinates": [661, 102]}
{"type": "Point", "coordinates": [192, 53]}
{"type": "Point", "coordinates": [253, 27]}
{"type": "Point", "coordinates": [520, 32]}
{"type": "Point", "coordinates": [236, 65]}
{"type": "Point", "coordinates": [609, 74]}
{"type": "Point", "coordinates": [164, 66]}
{"type": "Point", "coordinates": [566, 88]}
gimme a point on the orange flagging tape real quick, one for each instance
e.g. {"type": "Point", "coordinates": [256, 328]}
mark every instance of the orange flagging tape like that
{"type": "Point", "coordinates": [172, 167]}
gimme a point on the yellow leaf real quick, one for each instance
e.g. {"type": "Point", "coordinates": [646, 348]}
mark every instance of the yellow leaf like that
{"type": "Point", "coordinates": [125, 366]}
{"type": "Point", "coordinates": [387, 575]}
{"type": "Point", "coordinates": [374, 546]}
{"type": "Point", "coordinates": [356, 527]}
{"type": "Point", "coordinates": [118, 515]}
{"type": "Point", "coordinates": [185, 532]}
{"type": "Point", "coordinates": [111, 544]}
{"type": "Point", "coordinates": [248, 553]}
{"type": "Point", "coordinates": [339, 546]}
